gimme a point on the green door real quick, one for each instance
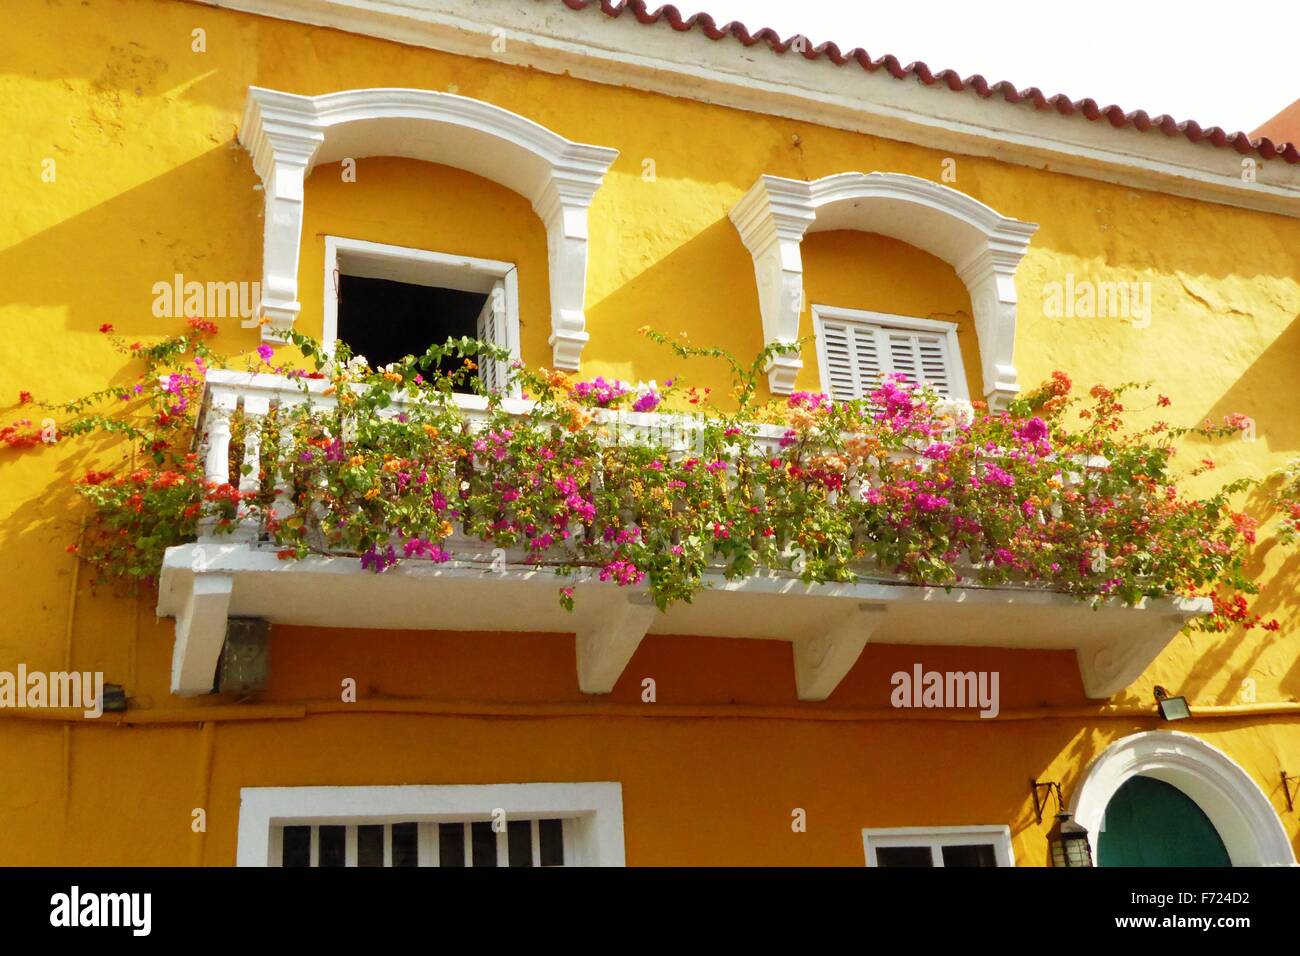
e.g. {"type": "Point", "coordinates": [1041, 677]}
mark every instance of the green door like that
{"type": "Point", "coordinates": [1150, 823]}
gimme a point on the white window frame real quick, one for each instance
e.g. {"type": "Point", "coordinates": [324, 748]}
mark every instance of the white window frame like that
{"type": "Point", "coordinates": [938, 837]}
{"type": "Point", "coordinates": [957, 371]}
{"type": "Point", "coordinates": [377, 260]}
{"type": "Point", "coordinates": [592, 814]}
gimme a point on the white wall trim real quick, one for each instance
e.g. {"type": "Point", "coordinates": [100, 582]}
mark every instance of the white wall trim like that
{"type": "Point", "coordinates": [1246, 821]}
{"type": "Point", "coordinates": [956, 370]}
{"type": "Point", "coordinates": [288, 135]}
{"type": "Point", "coordinates": [595, 808]}
{"type": "Point", "coordinates": [937, 837]}
{"type": "Point", "coordinates": [377, 260]}
{"type": "Point", "coordinates": [621, 52]}
{"type": "Point", "coordinates": [982, 245]}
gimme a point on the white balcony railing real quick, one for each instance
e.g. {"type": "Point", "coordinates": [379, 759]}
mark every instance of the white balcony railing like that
{"type": "Point", "coordinates": [828, 625]}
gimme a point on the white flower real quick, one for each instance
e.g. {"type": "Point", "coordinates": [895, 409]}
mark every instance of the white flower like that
{"type": "Point", "coordinates": [358, 363]}
{"type": "Point", "coordinates": [957, 410]}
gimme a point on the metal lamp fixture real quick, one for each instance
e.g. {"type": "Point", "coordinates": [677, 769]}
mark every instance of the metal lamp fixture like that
{"type": "Point", "coordinates": [1171, 708]}
{"type": "Point", "coordinates": [1067, 841]}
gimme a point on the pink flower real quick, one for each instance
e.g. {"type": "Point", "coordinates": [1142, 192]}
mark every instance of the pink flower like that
{"type": "Point", "coordinates": [1034, 430]}
{"type": "Point", "coordinates": [646, 403]}
{"type": "Point", "coordinates": [266, 353]}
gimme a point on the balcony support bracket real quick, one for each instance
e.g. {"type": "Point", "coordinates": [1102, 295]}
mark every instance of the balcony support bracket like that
{"type": "Point", "coordinates": [822, 660]}
{"type": "Point", "coordinates": [200, 634]}
{"type": "Point", "coordinates": [607, 643]}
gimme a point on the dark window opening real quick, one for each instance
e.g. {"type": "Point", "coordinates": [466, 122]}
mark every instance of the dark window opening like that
{"type": "Point", "coordinates": [970, 854]}
{"type": "Point", "coordinates": [904, 856]}
{"type": "Point", "coordinates": [296, 846]}
{"type": "Point", "coordinates": [386, 320]}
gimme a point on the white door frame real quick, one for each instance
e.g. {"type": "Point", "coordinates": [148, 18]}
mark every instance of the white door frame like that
{"type": "Point", "coordinates": [1241, 812]}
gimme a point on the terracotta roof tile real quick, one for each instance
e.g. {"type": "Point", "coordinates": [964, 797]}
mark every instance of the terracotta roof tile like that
{"type": "Point", "coordinates": [1090, 109]}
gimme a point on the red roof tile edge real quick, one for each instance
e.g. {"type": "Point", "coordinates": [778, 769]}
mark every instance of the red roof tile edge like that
{"type": "Point", "coordinates": [1138, 119]}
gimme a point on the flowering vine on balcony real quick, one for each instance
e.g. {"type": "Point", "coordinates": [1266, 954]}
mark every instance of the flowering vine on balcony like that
{"type": "Point", "coordinates": [385, 465]}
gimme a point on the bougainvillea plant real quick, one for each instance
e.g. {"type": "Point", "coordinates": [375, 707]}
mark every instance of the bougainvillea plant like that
{"type": "Point", "coordinates": [662, 487]}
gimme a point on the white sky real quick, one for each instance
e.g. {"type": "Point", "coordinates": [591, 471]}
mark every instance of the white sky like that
{"type": "Point", "coordinates": [1229, 63]}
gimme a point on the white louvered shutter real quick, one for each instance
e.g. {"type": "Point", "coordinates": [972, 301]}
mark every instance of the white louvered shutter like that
{"type": "Point", "coordinates": [852, 359]}
{"type": "Point", "coordinates": [922, 357]}
{"type": "Point", "coordinates": [859, 353]}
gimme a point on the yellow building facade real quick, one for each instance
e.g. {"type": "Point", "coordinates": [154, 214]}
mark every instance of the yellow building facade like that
{"type": "Point", "coordinates": [139, 151]}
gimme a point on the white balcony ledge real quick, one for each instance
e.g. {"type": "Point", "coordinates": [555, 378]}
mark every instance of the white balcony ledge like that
{"type": "Point", "coordinates": [827, 625]}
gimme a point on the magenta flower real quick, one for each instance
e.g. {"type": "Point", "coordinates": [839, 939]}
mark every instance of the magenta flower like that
{"type": "Point", "coordinates": [646, 403]}
{"type": "Point", "coordinates": [1034, 430]}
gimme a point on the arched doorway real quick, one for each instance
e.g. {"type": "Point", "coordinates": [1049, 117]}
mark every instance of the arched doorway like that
{"type": "Point", "coordinates": [1152, 823]}
{"type": "Point", "coordinates": [1232, 804]}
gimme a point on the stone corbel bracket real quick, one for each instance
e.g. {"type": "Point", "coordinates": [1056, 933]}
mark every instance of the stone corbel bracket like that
{"type": "Point", "coordinates": [823, 660]}
{"type": "Point", "coordinates": [288, 135]}
{"type": "Point", "coordinates": [982, 245]}
{"type": "Point", "coordinates": [1113, 661]}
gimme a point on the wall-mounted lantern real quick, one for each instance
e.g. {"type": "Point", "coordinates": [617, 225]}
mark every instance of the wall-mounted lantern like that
{"type": "Point", "coordinates": [1067, 841]}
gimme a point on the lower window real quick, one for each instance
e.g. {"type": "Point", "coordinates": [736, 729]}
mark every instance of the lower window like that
{"type": "Point", "coordinates": [939, 846]}
{"type": "Point", "coordinates": [522, 824]}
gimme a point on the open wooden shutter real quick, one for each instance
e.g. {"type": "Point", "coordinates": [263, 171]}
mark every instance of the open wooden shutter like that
{"type": "Point", "coordinates": [491, 327]}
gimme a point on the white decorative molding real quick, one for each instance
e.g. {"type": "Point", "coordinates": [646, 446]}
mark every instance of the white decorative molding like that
{"type": "Point", "coordinates": [288, 135]}
{"type": "Point", "coordinates": [606, 644]}
{"type": "Point", "coordinates": [622, 52]}
{"type": "Point", "coordinates": [982, 245]}
{"type": "Point", "coordinates": [1241, 812]}
{"type": "Point", "coordinates": [595, 811]}
{"type": "Point", "coordinates": [822, 660]}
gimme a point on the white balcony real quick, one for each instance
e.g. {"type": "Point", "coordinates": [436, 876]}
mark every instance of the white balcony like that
{"type": "Point", "coordinates": [827, 625]}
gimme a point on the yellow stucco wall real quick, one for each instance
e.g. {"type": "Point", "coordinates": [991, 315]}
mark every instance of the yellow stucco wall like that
{"type": "Point", "coordinates": [150, 182]}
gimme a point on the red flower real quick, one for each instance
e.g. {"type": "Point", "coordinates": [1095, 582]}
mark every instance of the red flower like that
{"type": "Point", "coordinates": [106, 328]}
{"type": "Point", "coordinates": [1163, 401]}
{"type": "Point", "coordinates": [24, 397]}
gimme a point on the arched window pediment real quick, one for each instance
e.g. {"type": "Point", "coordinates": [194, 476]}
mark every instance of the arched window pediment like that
{"type": "Point", "coordinates": [288, 135]}
{"type": "Point", "coordinates": [982, 245]}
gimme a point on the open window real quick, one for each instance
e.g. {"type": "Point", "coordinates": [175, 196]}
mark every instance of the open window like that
{"type": "Point", "coordinates": [856, 349]}
{"type": "Point", "coordinates": [387, 302]}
